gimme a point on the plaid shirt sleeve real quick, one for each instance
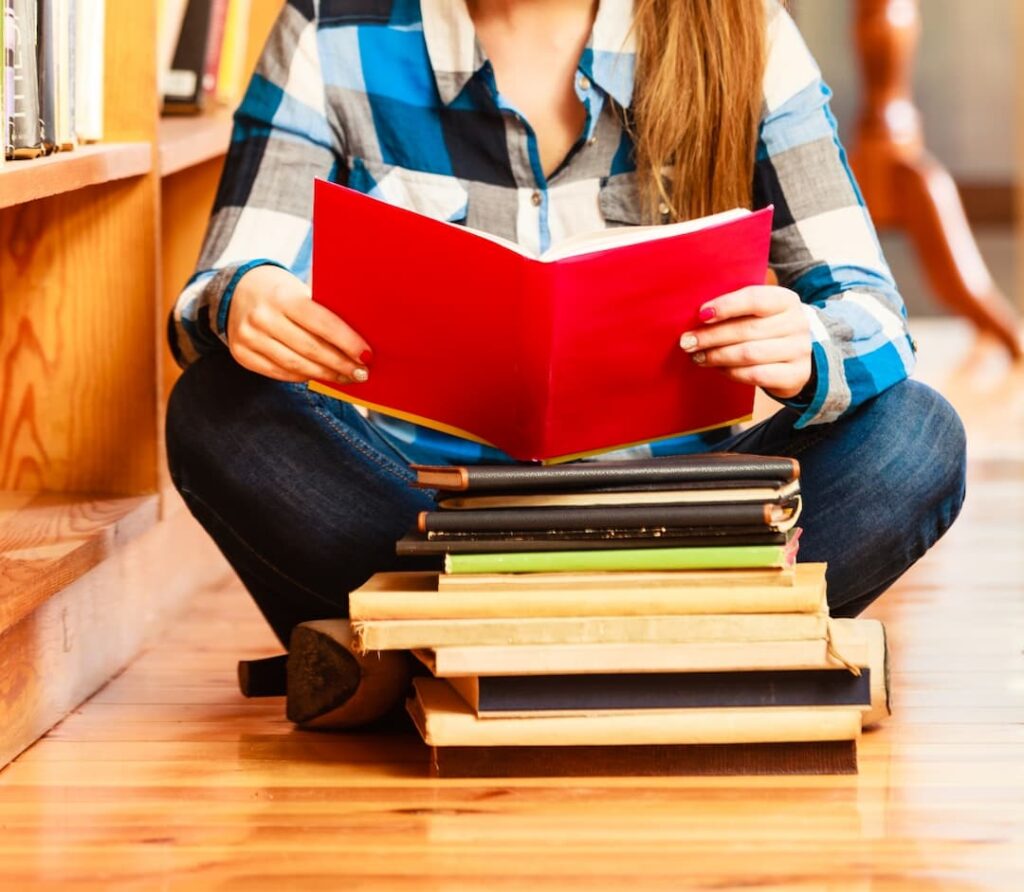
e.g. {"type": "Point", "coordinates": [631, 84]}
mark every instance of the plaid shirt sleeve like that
{"type": "Point", "coordinates": [262, 214]}
{"type": "Point", "coordinates": [824, 245]}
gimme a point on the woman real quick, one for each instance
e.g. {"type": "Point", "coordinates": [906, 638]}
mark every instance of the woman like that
{"type": "Point", "coordinates": [537, 119]}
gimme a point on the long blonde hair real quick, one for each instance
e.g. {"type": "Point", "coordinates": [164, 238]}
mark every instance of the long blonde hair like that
{"type": "Point", "coordinates": [697, 103]}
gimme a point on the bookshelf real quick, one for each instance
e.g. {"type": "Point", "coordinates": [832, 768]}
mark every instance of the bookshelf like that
{"type": "Point", "coordinates": [94, 246]}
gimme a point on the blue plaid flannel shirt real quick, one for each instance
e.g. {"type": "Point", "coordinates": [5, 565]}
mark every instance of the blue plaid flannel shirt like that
{"type": "Point", "coordinates": [396, 98]}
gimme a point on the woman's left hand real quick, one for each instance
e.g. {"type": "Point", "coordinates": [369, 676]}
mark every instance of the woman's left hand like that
{"type": "Point", "coordinates": [758, 335]}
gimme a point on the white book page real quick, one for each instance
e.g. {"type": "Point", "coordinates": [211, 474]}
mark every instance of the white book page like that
{"type": "Point", "coordinates": [603, 239]}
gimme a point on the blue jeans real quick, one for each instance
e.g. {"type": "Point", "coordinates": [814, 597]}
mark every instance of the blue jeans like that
{"type": "Point", "coordinates": [306, 499]}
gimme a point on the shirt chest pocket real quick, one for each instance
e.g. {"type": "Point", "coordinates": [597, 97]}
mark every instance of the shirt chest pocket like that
{"type": "Point", "coordinates": [431, 194]}
{"type": "Point", "coordinates": [619, 200]}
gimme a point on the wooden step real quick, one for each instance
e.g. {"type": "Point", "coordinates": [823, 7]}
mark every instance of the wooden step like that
{"type": "Point", "coordinates": [85, 581]}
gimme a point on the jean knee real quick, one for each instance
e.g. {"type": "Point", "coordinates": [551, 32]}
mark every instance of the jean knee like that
{"type": "Point", "coordinates": [934, 461]}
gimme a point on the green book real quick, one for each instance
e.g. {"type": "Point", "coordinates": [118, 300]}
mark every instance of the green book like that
{"type": "Point", "coordinates": [624, 559]}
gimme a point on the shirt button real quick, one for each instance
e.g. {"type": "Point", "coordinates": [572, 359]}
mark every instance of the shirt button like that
{"type": "Point", "coordinates": [584, 83]}
{"type": "Point", "coordinates": [536, 199]}
{"type": "Point", "coordinates": [592, 141]}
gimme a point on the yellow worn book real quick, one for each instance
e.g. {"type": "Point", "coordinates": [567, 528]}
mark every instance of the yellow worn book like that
{"type": "Point", "coordinates": [695, 656]}
{"type": "Point", "coordinates": [433, 633]}
{"type": "Point", "coordinates": [416, 595]}
{"type": "Point", "coordinates": [619, 579]}
{"type": "Point", "coordinates": [445, 719]}
{"type": "Point", "coordinates": [872, 632]}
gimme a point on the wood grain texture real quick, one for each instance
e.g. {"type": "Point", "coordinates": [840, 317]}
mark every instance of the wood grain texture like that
{"type": "Point", "coordinates": [57, 650]}
{"type": "Point", "coordinates": [169, 778]}
{"type": "Point", "coordinates": [49, 540]}
{"type": "Point", "coordinates": [188, 140]}
{"type": "Point", "coordinates": [77, 339]}
{"type": "Point", "coordinates": [67, 171]}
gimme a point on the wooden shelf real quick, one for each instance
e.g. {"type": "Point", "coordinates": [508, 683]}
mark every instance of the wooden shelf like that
{"type": "Point", "coordinates": [22, 181]}
{"type": "Point", "coordinates": [48, 540]}
{"type": "Point", "coordinates": [186, 141]}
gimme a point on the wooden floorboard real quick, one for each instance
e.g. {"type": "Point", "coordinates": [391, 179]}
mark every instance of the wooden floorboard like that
{"type": "Point", "coordinates": [169, 779]}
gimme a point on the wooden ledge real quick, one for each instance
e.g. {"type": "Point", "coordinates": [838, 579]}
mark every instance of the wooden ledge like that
{"type": "Point", "coordinates": [22, 181]}
{"type": "Point", "coordinates": [186, 141]}
{"type": "Point", "coordinates": [48, 540]}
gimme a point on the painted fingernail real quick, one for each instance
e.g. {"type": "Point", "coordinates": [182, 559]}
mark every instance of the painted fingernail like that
{"type": "Point", "coordinates": [360, 375]}
{"type": "Point", "coordinates": [706, 314]}
{"type": "Point", "coordinates": [688, 342]}
{"type": "Point", "coordinates": [366, 357]}
{"type": "Point", "coordinates": [699, 357]}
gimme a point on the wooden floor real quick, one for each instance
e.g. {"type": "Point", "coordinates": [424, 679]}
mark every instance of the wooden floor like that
{"type": "Point", "coordinates": [168, 779]}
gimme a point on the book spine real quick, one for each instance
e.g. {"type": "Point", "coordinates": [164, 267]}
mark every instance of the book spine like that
{"type": "Point", "coordinates": [6, 79]}
{"type": "Point", "coordinates": [89, 65]}
{"type": "Point", "coordinates": [596, 601]}
{"type": "Point", "coordinates": [27, 137]}
{"type": "Point", "coordinates": [214, 45]}
{"type": "Point", "coordinates": [455, 543]}
{"type": "Point", "coordinates": [621, 517]}
{"type": "Point", "coordinates": [536, 329]}
{"type": "Point", "coordinates": [656, 690]}
{"type": "Point", "coordinates": [680, 760]}
{"type": "Point", "coordinates": [47, 50]}
{"type": "Point", "coordinates": [621, 559]}
{"type": "Point", "coordinates": [668, 470]}
{"type": "Point", "coordinates": [411, 634]}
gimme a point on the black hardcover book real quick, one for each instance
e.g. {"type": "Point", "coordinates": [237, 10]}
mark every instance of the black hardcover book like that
{"type": "Point", "coordinates": [769, 516]}
{"type": "Point", "coordinates": [667, 470]}
{"type": "Point", "coordinates": [183, 85]}
{"type": "Point", "coordinates": [647, 760]}
{"type": "Point", "coordinates": [667, 690]}
{"type": "Point", "coordinates": [473, 543]}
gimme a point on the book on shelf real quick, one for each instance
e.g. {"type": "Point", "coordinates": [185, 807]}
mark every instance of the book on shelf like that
{"type": "Point", "coordinates": [201, 52]}
{"type": "Point", "coordinates": [445, 719]}
{"type": "Point", "coordinates": [646, 760]}
{"type": "Point", "coordinates": [182, 84]}
{"type": "Point", "coordinates": [169, 18]}
{"type": "Point", "coordinates": [27, 138]}
{"type": "Point", "coordinates": [90, 44]}
{"type": "Point", "coordinates": [56, 64]}
{"type": "Point", "coordinates": [415, 595]}
{"type": "Point", "coordinates": [593, 694]}
{"type": "Point", "coordinates": [412, 634]}
{"type": "Point", "coordinates": [214, 44]}
{"type": "Point", "coordinates": [231, 70]}
{"type": "Point", "coordinates": [618, 298]}
{"type": "Point", "coordinates": [6, 80]}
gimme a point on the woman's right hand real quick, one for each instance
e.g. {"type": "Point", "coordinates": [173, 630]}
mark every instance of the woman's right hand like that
{"type": "Point", "coordinates": [276, 329]}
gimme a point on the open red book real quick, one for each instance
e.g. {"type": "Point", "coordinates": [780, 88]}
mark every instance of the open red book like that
{"type": "Point", "coordinates": [549, 358]}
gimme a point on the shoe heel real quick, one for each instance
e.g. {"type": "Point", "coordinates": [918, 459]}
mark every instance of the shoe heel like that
{"type": "Point", "coordinates": [330, 685]}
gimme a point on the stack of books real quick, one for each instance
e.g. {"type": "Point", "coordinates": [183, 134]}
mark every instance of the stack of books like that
{"type": "Point", "coordinates": [624, 617]}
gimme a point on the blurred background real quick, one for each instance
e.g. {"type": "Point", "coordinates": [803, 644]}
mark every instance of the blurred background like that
{"type": "Point", "coordinates": [964, 78]}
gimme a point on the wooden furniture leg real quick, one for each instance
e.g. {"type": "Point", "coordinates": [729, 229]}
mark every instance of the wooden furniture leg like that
{"type": "Point", "coordinates": [905, 187]}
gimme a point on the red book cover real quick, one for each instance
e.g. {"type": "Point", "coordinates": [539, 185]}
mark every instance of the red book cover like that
{"type": "Point", "coordinates": [547, 359]}
{"type": "Point", "coordinates": [214, 44]}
